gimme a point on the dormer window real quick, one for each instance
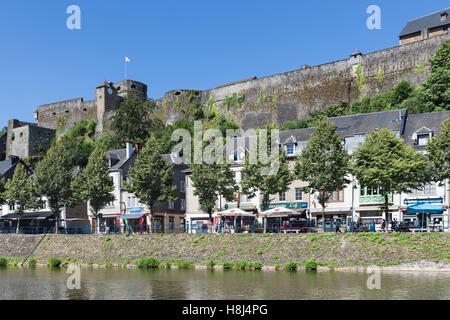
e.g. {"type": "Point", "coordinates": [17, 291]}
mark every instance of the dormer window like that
{"type": "Point", "coordinates": [238, 157]}
{"type": "Point", "coordinates": [444, 16]}
{"type": "Point", "coordinates": [290, 149]}
{"type": "Point", "coordinates": [422, 139]}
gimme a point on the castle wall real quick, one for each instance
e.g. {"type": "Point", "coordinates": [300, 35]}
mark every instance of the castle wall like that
{"type": "Point", "coordinates": [65, 113]}
{"type": "Point", "coordinates": [293, 95]}
{"type": "Point", "coordinates": [29, 140]}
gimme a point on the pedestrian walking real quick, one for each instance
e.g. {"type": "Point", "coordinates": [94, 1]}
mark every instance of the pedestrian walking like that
{"type": "Point", "coordinates": [338, 225]}
{"type": "Point", "coordinates": [383, 225]}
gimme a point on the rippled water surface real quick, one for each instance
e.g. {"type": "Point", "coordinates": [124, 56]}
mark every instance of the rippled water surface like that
{"type": "Point", "coordinates": [43, 283]}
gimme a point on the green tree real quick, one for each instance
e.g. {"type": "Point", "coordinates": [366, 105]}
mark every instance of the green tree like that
{"type": "Point", "coordinates": [93, 184]}
{"type": "Point", "coordinates": [323, 163]}
{"type": "Point", "coordinates": [210, 182]}
{"type": "Point", "coordinates": [434, 94]}
{"type": "Point", "coordinates": [385, 161]}
{"type": "Point", "coordinates": [439, 153]}
{"type": "Point", "coordinates": [2, 191]}
{"type": "Point", "coordinates": [19, 191]}
{"type": "Point", "coordinates": [53, 178]}
{"type": "Point", "coordinates": [151, 176]}
{"type": "Point", "coordinates": [132, 120]}
{"type": "Point", "coordinates": [253, 180]}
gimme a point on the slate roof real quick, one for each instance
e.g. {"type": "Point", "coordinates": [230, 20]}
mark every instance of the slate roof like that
{"type": "Point", "coordinates": [429, 21]}
{"type": "Point", "coordinates": [367, 122]}
{"type": "Point", "coordinates": [117, 157]}
{"type": "Point", "coordinates": [7, 167]}
{"type": "Point", "coordinates": [417, 122]}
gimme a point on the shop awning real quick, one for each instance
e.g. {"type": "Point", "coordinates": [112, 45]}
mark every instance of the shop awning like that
{"type": "Point", "coordinates": [236, 212]}
{"type": "Point", "coordinates": [425, 208]}
{"type": "Point", "coordinates": [133, 216]}
{"type": "Point", "coordinates": [28, 216]}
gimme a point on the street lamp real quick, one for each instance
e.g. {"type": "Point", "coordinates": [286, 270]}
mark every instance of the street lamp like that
{"type": "Point", "coordinates": [353, 203]}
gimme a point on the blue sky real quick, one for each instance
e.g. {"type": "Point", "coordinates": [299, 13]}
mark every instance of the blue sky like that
{"type": "Point", "coordinates": [196, 44]}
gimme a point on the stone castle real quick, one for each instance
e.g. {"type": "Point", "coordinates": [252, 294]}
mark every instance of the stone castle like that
{"type": "Point", "coordinates": [252, 102]}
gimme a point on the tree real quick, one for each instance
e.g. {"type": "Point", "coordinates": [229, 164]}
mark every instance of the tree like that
{"type": "Point", "coordinates": [211, 181]}
{"type": "Point", "coordinates": [19, 192]}
{"type": "Point", "coordinates": [385, 161]}
{"type": "Point", "coordinates": [323, 163]}
{"type": "Point", "coordinates": [253, 180]}
{"type": "Point", "coordinates": [439, 153]}
{"type": "Point", "coordinates": [151, 176]}
{"type": "Point", "coordinates": [53, 178]}
{"type": "Point", "coordinates": [93, 184]}
{"type": "Point", "coordinates": [434, 94]}
{"type": "Point", "coordinates": [2, 191]}
{"type": "Point", "coordinates": [132, 120]}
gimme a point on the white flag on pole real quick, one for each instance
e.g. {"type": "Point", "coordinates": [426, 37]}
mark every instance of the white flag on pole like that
{"type": "Point", "coordinates": [127, 59]}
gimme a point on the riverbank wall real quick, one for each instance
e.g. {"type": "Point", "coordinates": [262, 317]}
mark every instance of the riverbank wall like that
{"type": "Point", "coordinates": [413, 251]}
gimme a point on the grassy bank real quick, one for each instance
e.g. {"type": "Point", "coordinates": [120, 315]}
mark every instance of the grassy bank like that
{"type": "Point", "coordinates": [243, 251]}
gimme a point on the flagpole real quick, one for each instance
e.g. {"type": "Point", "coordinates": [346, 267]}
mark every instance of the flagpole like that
{"type": "Point", "coordinates": [126, 74]}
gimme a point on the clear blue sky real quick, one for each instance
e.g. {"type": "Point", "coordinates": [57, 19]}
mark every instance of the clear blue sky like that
{"type": "Point", "coordinates": [183, 44]}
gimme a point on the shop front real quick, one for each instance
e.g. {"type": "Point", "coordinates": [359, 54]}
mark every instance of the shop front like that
{"type": "Point", "coordinates": [425, 215]}
{"type": "Point", "coordinates": [327, 220]}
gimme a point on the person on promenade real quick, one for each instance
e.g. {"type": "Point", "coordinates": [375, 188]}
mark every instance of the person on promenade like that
{"type": "Point", "coordinates": [383, 225]}
{"type": "Point", "coordinates": [338, 225]}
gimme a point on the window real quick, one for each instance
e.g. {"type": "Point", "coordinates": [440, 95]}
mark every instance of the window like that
{"type": "Point", "coordinates": [12, 207]}
{"type": "Point", "coordinates": [298, 194]}
{"type": "Point", "coordinates": [290, 149]}
{"type": "Point", "coordinates": [422, 139]}
{"type": "Point", "coordinates": [337, 196]}
{"type": "Point", "coordinates": [428, 189]}
{"type": "Point", "coordinates": [444, 16]}
{"type": "Point", "coordinates": [182, 186]}
{"type": "Point", "coordinates": [282, 196]}
{"type": "Point", "coordinates": [171, 204]}
{"type": "Point", "coordinates": [245, 198]}
{"type": "Point", "coordinates": [183, 204]}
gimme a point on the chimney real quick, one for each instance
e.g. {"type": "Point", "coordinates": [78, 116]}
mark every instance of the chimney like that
{"type": "Point", "coordinates": [130, 150]}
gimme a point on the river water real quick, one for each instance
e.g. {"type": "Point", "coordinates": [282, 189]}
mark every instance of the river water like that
{"type": "Point", "coordinates": [99, 284]}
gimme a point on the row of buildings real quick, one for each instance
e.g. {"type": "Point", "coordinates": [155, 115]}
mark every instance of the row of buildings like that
{"type": "Point", "coordinates": [360, 203]}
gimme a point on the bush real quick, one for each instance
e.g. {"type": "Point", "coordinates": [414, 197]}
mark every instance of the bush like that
{"type": "Point", "coordinates": [3, 262]}
{"type": "Point", "coordinates": [228, 265]}
{"type": "Point", "coordinates": [311, 265]}
{"type": "Point", "coordinates": [241, 265]}
{"type": "Point", "coordinates": [291, 266]}
{"type": "Point", "coordinates": [148, 263]}
{"type": "Point", "coordinates": [211, 264]}
{"type": "Point", "coordinates": [54, 262]}
{"type": "Point", "coordinates": [255, 265]}
{"type": "Point", "coordinates": [184, 264]}
{"type": "Point", "coordinates": [32, 262]}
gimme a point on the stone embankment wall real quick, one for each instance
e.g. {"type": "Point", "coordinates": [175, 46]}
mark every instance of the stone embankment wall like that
{"type": "Point", "coordinates": [328, 249]}
{"type": "Point", "coordinates": [15, 246]}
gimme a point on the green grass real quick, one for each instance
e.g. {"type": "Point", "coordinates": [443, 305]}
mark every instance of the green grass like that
{"type": "Point", "coordinates": [241, 265]}
{"type": "Point", "coordinates": [255, 265]}
{"type": "Point", "coordinates": [32, 262]}
{"type": "Point", "coordinates": [291, 266]}
{"type": "Point", "coordinates": [228, 265]}
{"type": "Point", "coordinates": [311, 265]}
{"type": "Point", "coordinates": [54, 262]}
{"type": "Point", "coordinates": [3, 262]}
{"type": "Point", "coordinates": [148, 263]}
